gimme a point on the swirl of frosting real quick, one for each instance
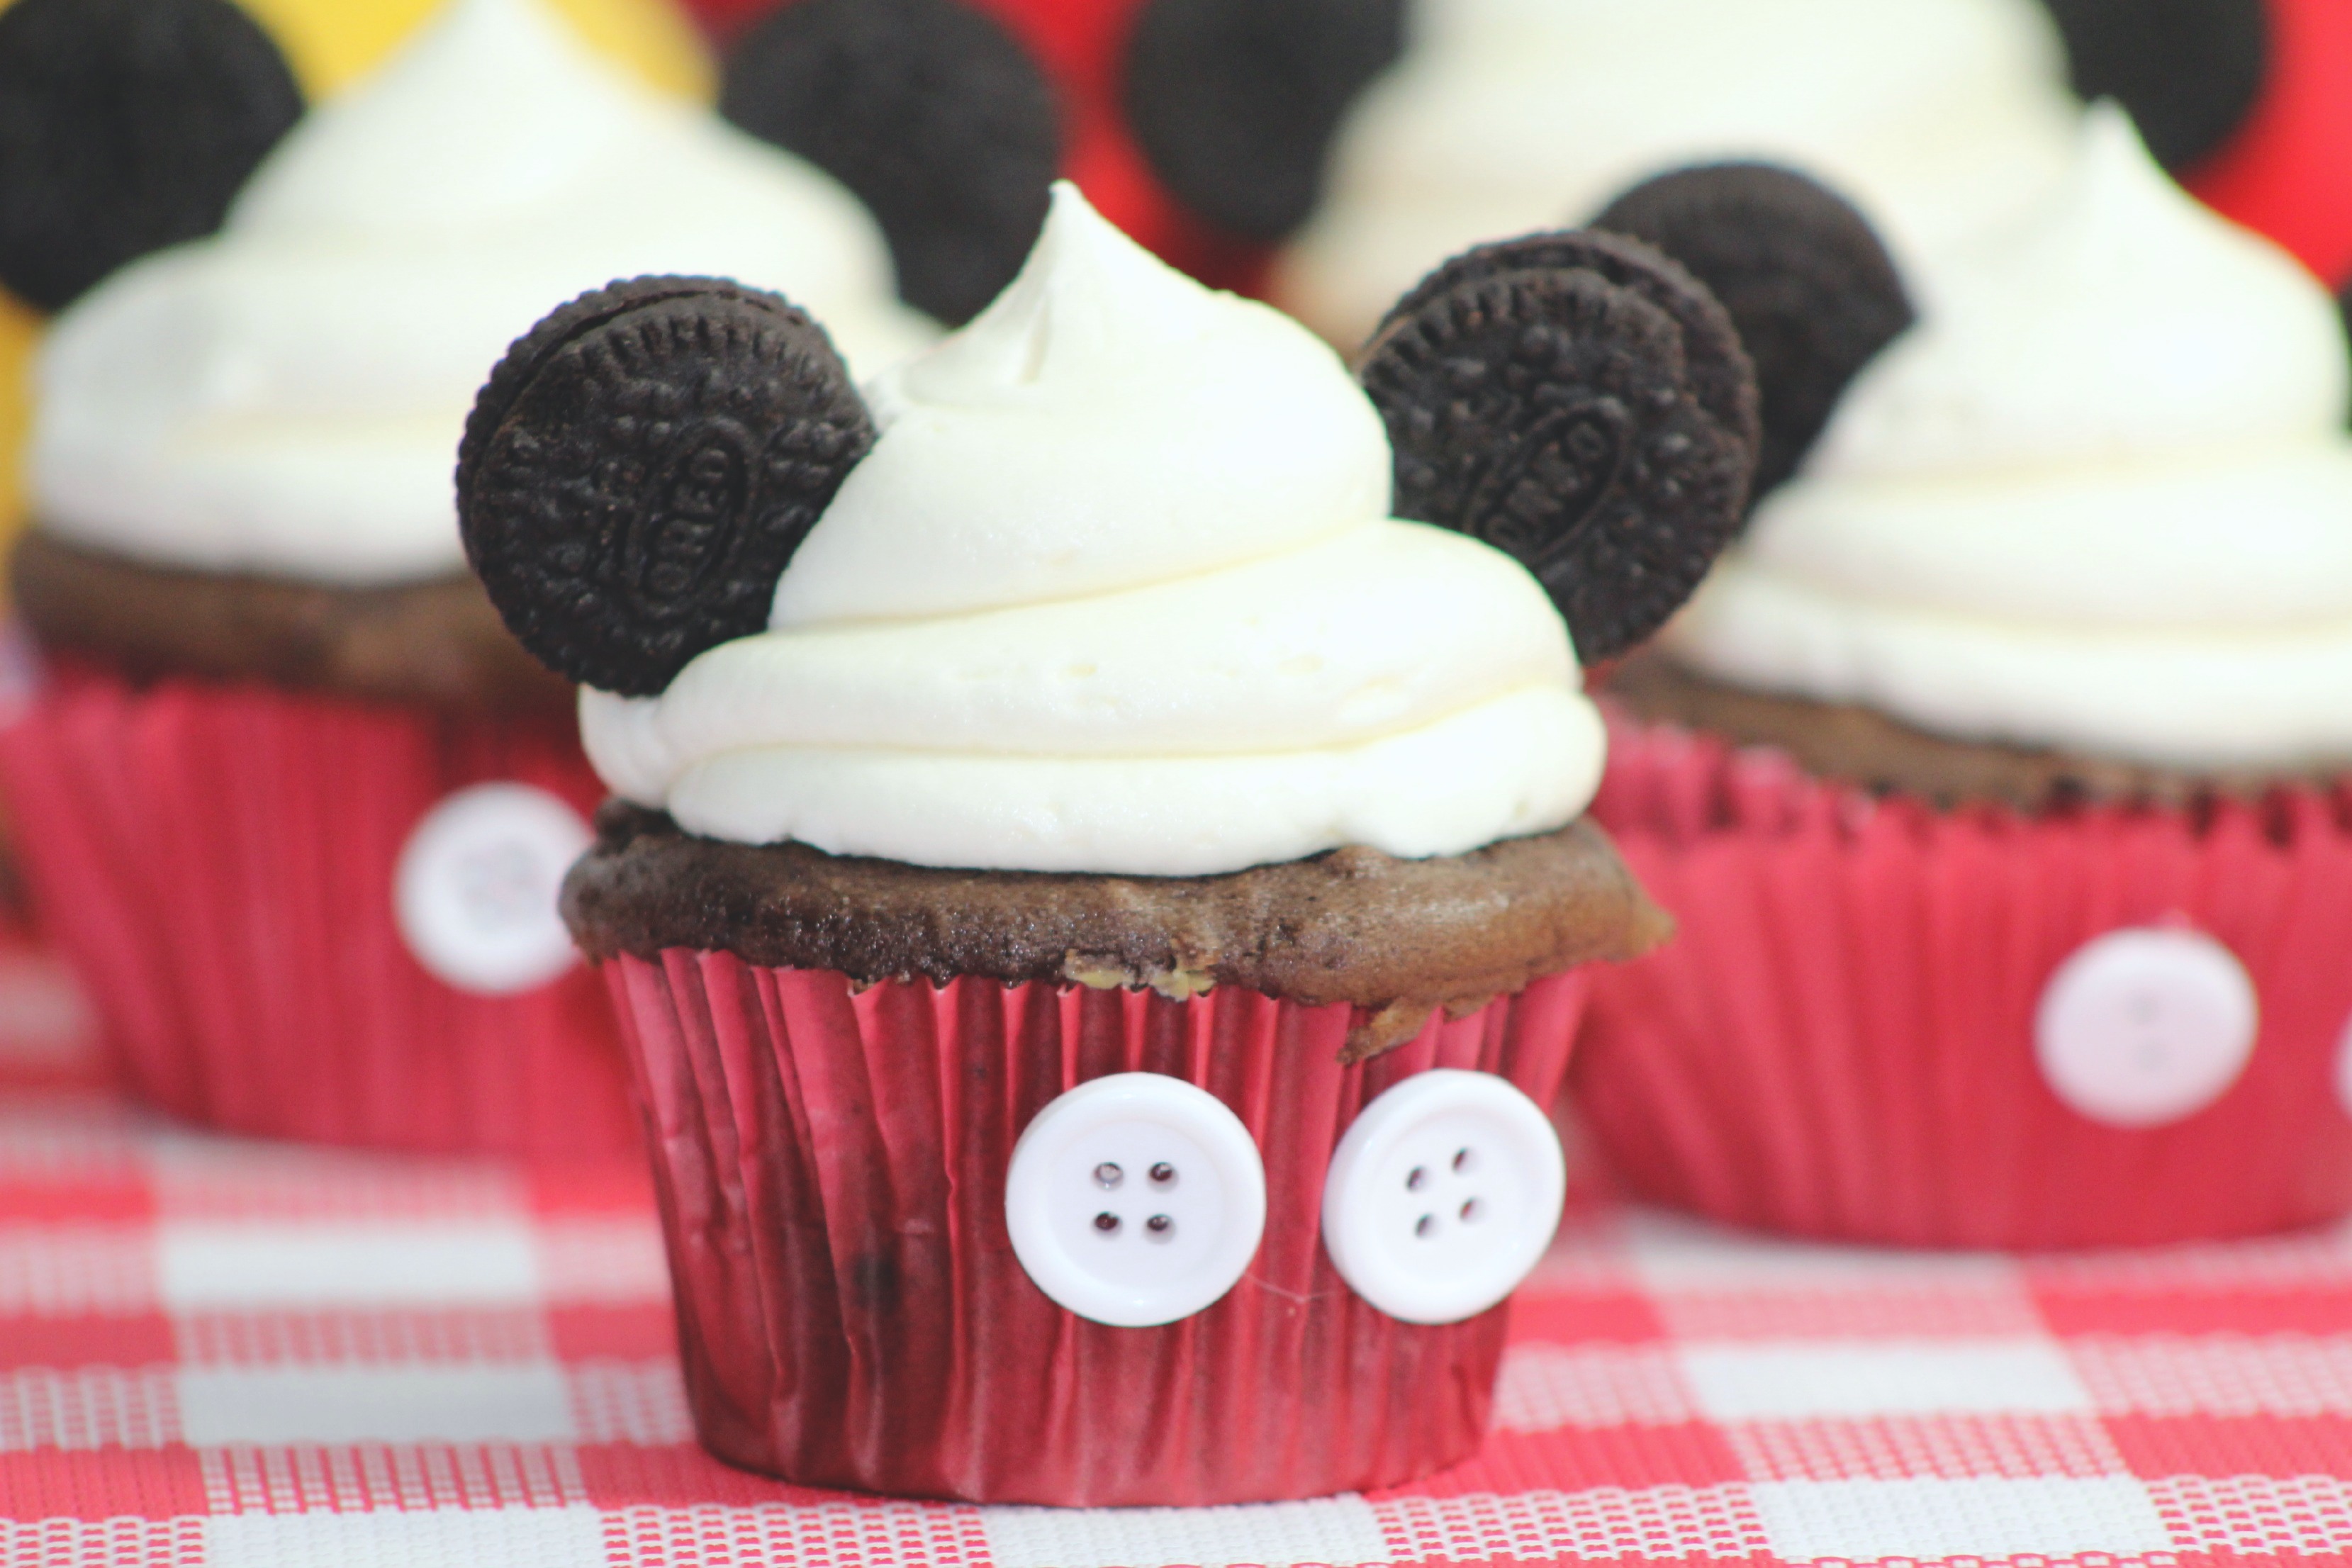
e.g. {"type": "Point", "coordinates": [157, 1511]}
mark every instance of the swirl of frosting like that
{"type": "Point", "coordinates": [2100, 499]}
{"type": "Point", "coordinates": [1940, 118]}
{"type": "Point", "coordinates": [1117, 591]}
{"type": "Point", "coordinates": [285, 397]}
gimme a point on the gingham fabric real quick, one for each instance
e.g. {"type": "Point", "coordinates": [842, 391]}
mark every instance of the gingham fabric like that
{"type": "Point", "coordinates": [222, 1352]}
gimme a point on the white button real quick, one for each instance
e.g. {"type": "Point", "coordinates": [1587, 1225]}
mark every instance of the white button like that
{"type": "Point", "coordinates": [1136, 1199]}
{"type": "Point", "coordinates": [476, 888]}
{"type": "Point", "coordinates": [2142, 1028]}
{"type": "Point", "coordinates": [1443, 1195]}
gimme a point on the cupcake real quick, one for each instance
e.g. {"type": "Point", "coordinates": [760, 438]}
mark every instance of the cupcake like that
{"type": "Point", "coordinates": [1095, 901]}
{"type": "Point", "coordinates": [1369, 141]}
{"type": "Point", "coordinates": [292, 799]}
{"type": "Point", "coordinates": [1999, 772]}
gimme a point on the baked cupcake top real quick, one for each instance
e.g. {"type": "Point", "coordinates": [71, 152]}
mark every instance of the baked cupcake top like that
{"type": "Point", "coordinates": [281, 399]}
{"type": "Point", "coordinates": [1118, 590]}
{"type": "Point", "coordinates": [2098, 500]}
{"type": "Point", "coordinates": [1941, 118]}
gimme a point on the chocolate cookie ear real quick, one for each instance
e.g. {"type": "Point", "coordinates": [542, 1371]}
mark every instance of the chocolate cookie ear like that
{"type": "Point", "coordinates": [2190, 71]}
{"type": "Point", "coordinates": [640, 467]}
{"type": "Point", "coordinates": [1595, 422]}
{"type": "Point", "coordinates": [935, 115]}
{"type": "Point", "coordinates": [1235, 102]}
{"type": "Point", "coordinates": [126, 126]}
{"type": "Point", "coordinates": [1814, 292]}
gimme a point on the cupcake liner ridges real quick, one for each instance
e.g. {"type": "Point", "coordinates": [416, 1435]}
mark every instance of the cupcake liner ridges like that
{"type": "Point", "coordinates": [217, 862]}
{"type": "Point", "coordinates": [831, 1166]}
{"type": "Point", "coordinates": [1842, 1041]}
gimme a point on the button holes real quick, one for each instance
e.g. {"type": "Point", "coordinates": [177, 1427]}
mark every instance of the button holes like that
{"type": "Point", "coordinates": [1425, 1227]}
{"type": "Point", "coordinates": [1417, 1180]}
{"type": "Point", "coordinates": [1163, 1174]}
{"type": "Point", "coordinates": [1106, 1222]}
{"type": "Point", "coordinates": [1465, 1160]}
{"type": "Point", "coordinates": [1160, 1227]}
{"type": "Point", "coordinates": [1108, 1175]}
{"type": "Point", "coordinates": [1471, 1212]}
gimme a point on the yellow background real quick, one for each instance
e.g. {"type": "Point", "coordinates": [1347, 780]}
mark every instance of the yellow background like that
{"type": "Point", "coordinates": [330, 43]}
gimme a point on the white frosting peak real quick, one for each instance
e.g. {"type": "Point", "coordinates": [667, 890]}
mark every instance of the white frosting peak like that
{"type": "Point", "coordinates": [286, 397]}
{"type": "Point", "coordinates": [2129, 323]}
{"type": "Point", "coordinates": [1941, 118]}
{"type": "Point", "coordinates": [1117, 591]}
{"type": "Point", "coordinates": [1094, 429]}
{"type": "Point", "coordinates": [2099, 499]}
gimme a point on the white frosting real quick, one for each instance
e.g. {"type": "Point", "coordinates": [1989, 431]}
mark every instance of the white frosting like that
{"type": "Point", "coordinates": [287, 396]}
{"type": "Point", "coordinates": [1940, 117]}
{"type": "Point", "coordinates": [1117, 591]}
{"type": "Point", "coordinates": [2100, 499]}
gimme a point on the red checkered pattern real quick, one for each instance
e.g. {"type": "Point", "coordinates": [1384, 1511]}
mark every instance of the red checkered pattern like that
{"type": "Point", "coordinates": [218, 1353]}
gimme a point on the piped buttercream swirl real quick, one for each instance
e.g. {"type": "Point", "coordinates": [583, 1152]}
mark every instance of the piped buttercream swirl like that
{"type": "Point", "coordinates": [2099, 500]}
{"type": "Point", "coordinates": [285, 398]}
{"type": "Point", "coordinates": [1117, 591]}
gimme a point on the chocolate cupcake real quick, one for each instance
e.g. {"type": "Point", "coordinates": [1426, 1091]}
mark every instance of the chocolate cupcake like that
{"type": "Point", "coordinates": [2000, 771]}
{"type": "Point", "coordinates": [292, 799]}
{"type": "Point", "coordinates": [1095, 902]}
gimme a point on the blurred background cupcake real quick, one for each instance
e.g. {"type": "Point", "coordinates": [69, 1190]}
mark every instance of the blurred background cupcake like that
{"type": "Point", "coordinates": [291, 799]}
{"type": "Point", "coordinates": [1999, 773]}
{"type": "Point", "coordinates": [1367, 140]}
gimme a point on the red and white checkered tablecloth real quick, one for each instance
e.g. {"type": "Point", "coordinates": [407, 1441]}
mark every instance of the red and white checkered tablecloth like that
{"type": "Point", "coordinates": [222, 1352]}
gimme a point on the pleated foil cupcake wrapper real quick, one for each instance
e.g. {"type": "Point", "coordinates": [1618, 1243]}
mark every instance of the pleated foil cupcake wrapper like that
{"type": "Point", "coordinates": [831, 1166]}
{"type": "Point", "coordinates": [1841, 1041]}
{"type": "Point", "coordinates": [218, 863]}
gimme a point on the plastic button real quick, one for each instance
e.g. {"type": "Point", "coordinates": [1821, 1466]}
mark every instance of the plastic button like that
{"type": "Point", "coordinates": [1136, 1199]}
{"type": "Point", "coordinates": [2142, 1028]}
{"type": "Point", "coordinates": [475, 893]}
{"type": "Point", "coordinates": [1443, 1195]}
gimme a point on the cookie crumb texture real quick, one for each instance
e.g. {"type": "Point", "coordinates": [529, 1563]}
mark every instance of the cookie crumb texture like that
{"type": "Point", "coordinates": [1395, 939]}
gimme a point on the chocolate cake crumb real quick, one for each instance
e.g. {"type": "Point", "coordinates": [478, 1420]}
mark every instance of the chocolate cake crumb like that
{"type": "Point", "coordinates": [1397, 940]}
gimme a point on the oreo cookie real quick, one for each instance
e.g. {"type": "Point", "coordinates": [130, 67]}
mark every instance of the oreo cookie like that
{"type": "Point", "coordinates": [1235, 102]}
{"type": "Point", "coordinates": [935, 115]}
{"type": "Point", "coordinates": [640, 467]}
{"type": "Point", "coordinates": [126, 126]}
{"type": "Point", "coordinates": [1721, 376]}
{"type": "Point", "coordinates": [1576, 423]}
{"type": "Point", "coordinates": [1813, 291]}
{"type": "Point", "coordinates": [2190, 71]}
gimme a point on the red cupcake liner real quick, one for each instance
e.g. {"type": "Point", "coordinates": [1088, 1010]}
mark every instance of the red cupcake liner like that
{"type": "Point", "coordinates": [1840, 1040]}
{"type": "Point", "coordinates": [831, 1167]}
{"type": "Point", "coordinates": [216, 861]}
